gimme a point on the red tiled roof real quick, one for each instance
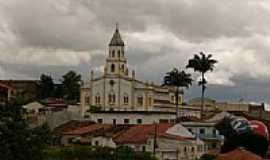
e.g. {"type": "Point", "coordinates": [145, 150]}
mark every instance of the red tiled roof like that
{"type": "Point", "coordinates": [4, 85]}
{"type": "Point", "coordinates": [88, 129]}
{"type": "Point", "coordinates": [138, 134]}
{"type": "Point", "coordinates": [71, 125]}
{"type": "Point", "coordinates": [175, 137]}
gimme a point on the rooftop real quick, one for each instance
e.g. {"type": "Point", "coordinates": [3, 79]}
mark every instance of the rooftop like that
{"type": "Point", "coordinates": [139, 134]}
{"type": "Point", "coordinates": [116, 39]}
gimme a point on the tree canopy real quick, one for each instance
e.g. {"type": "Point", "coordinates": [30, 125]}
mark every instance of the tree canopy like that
{"type": "Point", "coordinates": [17, 140]}
{"type": "Point", "coordinates": [178, 78]}
{"type": "Point", "coordinates": [71, 85]}
{"type": "Point", "coordinates": [46, 86]}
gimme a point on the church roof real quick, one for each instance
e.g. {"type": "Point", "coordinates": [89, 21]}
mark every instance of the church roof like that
{"type": "Point", "coordinates": [116, 39]}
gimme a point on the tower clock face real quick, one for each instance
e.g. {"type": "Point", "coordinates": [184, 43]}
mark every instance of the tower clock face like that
{"type": "Point", "coordinates": [112, 83]}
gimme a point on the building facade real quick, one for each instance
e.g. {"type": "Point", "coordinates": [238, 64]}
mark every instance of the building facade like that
{"type": "Point", "coordinates": [119, 90]}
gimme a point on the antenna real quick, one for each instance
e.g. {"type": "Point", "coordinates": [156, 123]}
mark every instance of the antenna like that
{"type": "Point", "coordinates": [117, 25]}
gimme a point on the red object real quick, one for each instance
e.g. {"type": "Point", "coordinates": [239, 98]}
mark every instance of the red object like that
{"type": "Point", "coordinates": [259, 128]}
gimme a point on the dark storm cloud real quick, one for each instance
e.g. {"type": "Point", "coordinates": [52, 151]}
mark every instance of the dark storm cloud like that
{"type": "Point", "coordinates": [48, 36]}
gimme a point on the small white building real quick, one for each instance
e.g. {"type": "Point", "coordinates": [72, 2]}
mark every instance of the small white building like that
{"type": "Point", "coordinates": [132, 117]}
{"type": "Point", "coordinates": [206, 132]}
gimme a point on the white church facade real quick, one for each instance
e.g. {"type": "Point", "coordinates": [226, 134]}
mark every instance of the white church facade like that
{"type": "Point", "coordinates": [118, 90]}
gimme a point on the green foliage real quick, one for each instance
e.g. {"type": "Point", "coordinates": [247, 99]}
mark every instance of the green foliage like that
{"type": "Point", "coordinates": [17, 140]}
{"type": "Point", "coordinates": [46, 86]}
{"type": "Point", "coordinates": [178, 78]}
{"type": "Point", "coordinates": [93, 109]}
{"type": "Point", "coordinates": [208, 157]}
{"type": "Point", "coordinates": [202, 63]}
{"type": "Point", "coordinates": [95, 153]}
{"type": "Point", "coordinates": [71, 86]}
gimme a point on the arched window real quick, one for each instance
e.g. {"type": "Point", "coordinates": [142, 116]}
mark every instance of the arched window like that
{"type": "Point", "coordinates": [97, 99]}
{"type": "Point", "coordinates": [112, 98]}
{"type": "Point", "coordinates": [113, 53]}
{"type": "Point", "coordinates": [122, 53]}
{"type": "Point", "coordinates": [126, 72]}
{"type": "Point", "coordinates": [123, 68]}
{"type": "Point", "coordinates": [185, 149]}
{"type": "Point", "coordinates": [119, 54]}
{"type": "Point", "coordinates": [125, 98]}
{"type": "Point", "coordinates": [112, 68]}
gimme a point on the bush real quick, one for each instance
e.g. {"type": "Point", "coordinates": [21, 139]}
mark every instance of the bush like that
{"type": "Point", "coordinates": [208, 157]}
{"type": "Point", "coordinates": [95, 153]}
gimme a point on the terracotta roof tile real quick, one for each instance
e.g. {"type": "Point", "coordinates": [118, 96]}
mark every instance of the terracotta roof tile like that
{"type": "Point", "coordinates": [88, 129]}
{"type": "Point", "coordinates": [138, 134]}
{"type": "Point", "coordinates": [71, 125]}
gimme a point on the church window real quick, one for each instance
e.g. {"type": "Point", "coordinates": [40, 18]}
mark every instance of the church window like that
{"type": "Point", "coordinates": [122, 68]}
{"type": "Point", "coordinates": [112, 83]}
{"type": "Point", "coordinates": [118, 53]}
{"type": "Point", "coordinates": [149, 101]}
{"type": "Point", "coordinates": [112, 68]}
{"type": "Point", "coordinates": [140, 101]}
{"type": "Point", "coordinates": [125, 99]}
{"type": "Point", "coordinates": [126, 72]}
{"type": "Point", "coordinates": [97, 99]}
{"type": "Point", "coordinates": [112, 98]}
{"type": "Point", "coordinates": [113, 53]}
{"type": "Point", "coordinates": [122, 53]}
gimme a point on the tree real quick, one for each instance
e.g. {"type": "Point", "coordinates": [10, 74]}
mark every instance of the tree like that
{"type": "Point", "coordinates": [202, 63]}
{"type": "Point", "coordinates": [208, 157]}
{"type": "Point", "coordinates": [17, 139]}
{"type": "Point", "coordinates": [71, 85]}
{"type": "Point", "coordinates": [46, 86]}
{"type": "Point", "coordinates": [77, 152]}
{"type": "Point", "coordinates": [178, 79]}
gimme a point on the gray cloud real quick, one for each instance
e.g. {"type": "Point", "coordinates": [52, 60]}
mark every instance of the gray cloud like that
{"type": "Point", "coordinates": [47, 36]}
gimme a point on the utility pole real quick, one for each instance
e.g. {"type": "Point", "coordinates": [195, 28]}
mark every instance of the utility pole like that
{"type": "Point", "coordinates": [155, 139]}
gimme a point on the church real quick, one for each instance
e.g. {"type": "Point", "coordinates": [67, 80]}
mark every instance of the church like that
{"type": "Point", "coordinates": [118, 91]}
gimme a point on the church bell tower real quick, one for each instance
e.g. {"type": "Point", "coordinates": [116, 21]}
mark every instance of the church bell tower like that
{"type": "Point", "coordinates": [116, 62]}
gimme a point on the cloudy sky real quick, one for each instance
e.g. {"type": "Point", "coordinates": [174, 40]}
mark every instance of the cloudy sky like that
{"type": "Point", "coordinates": [55, 36]}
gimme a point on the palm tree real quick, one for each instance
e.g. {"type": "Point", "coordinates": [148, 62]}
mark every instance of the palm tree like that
{"type": "Point", "coordinates": [202, 63]}
{"type": "Point", "coordinates": [177, 79]}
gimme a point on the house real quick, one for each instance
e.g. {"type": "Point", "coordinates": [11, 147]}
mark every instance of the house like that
{"type": "Point", "coordinates": [27, 89]}
{"type": "Point", "coordinates": [168, 144]}
{"type": "Point", "coordinates": [205, 131]}
{"type": "Point", "coordinates": [6, 92]}
{"type": "Point", "coordinates": [171, 141]}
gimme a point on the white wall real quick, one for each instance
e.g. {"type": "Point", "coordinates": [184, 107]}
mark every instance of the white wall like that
{"type": "Point", "coordinates": [119, 117]}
